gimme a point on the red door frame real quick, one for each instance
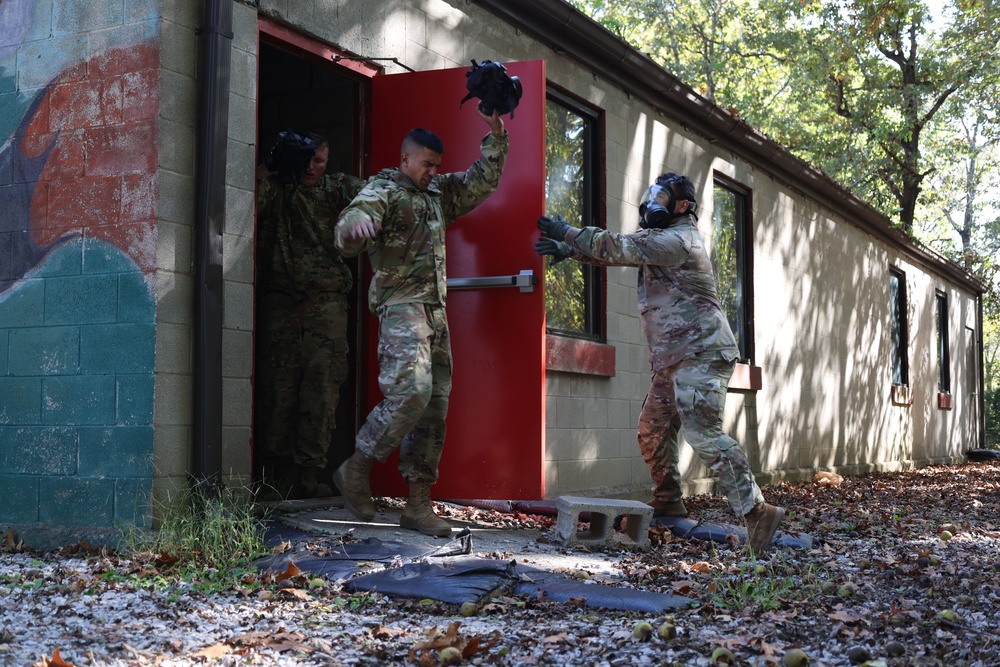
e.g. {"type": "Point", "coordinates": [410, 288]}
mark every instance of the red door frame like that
{"type": "Point", "coordinates": [532, 467]}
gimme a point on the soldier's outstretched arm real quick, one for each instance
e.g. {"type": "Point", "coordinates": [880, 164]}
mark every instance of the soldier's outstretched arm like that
{"type": "Point", "coordinates": [494, 121]}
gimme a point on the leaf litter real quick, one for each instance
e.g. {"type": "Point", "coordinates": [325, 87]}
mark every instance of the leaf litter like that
{"type": "Point", "coordinates": [905, 571]}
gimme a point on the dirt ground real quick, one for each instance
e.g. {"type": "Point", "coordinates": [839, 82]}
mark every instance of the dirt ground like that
{"type": "Point", "coordinates": [905, 570]}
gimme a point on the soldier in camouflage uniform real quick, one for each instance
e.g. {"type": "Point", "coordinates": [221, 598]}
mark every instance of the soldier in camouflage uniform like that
{"type": "Point", "coordinates": [692, 350]}
{"type": "Point", "coordinates": [302, 307]}
{"type": "Point", "coordinates": [400, 220]}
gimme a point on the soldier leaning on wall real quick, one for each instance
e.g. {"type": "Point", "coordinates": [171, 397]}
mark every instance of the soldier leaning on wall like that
{"type": "Point", "coordinates": [692, 350]}
{"type": "Point", "coordinates": [302, 306]}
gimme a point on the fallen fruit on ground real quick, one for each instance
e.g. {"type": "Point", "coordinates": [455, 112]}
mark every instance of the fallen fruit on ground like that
{"type": "Point", "coordinates": [894, 649]}
{"type": "Point", "coordinates": [450, 655]}
{"type": "Point", "coordinates": [723, 656]}
{"type": "Point", "coordinates": [795, 657]}
{"type": "Point", "coordinates": [667, 631]}
{"type": "Point", "coordinates": [858, 655]}
{"type": "Point", "coordinates": [643, 630]}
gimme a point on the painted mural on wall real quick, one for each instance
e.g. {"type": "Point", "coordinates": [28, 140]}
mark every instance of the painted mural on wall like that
{"type": "Point", "coordinates": [78, 107]}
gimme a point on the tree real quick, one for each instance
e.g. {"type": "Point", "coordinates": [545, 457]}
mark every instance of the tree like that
{"type": "Point", "coordinates": [852, 87]}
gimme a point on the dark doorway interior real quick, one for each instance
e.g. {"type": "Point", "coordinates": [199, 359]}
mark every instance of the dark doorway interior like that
{"type": "Point", "coordinates": [298, 90]}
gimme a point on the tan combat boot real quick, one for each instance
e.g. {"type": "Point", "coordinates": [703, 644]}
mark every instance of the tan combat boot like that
{"type": "Point", "coordinates": [762, 523]}
{"type": "Point", "coordinates": [419, 515]}
{"type": "Point", "coordinates": [668, 508]}
{"type": "Point", "coordinates": [667, 488]}
{"type": "Point", "coordinates": [352, 478]}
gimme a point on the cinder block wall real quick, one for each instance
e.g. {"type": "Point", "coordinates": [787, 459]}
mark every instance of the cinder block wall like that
{"type": "Point", "coordinates": [176, 251]}
{"type": "Point", "coordinates": [822, 286]}
{"type": "Point", "coordinates": [78, 233]}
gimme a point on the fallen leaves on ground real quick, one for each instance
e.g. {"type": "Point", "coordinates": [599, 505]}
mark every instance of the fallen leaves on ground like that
{"type": "Point", "coordinates": [905, 570]}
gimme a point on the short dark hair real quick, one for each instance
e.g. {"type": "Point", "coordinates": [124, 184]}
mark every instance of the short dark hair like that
{"type": "Point", "coordinates": [425, 138]}
{"type": "Point", "coordinates": [318, 139]}
{"type": "Point", "coordinates": [681, 186]}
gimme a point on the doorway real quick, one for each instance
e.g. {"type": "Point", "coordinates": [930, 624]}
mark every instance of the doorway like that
{"type": "Point", "coordinates": [300, 89]}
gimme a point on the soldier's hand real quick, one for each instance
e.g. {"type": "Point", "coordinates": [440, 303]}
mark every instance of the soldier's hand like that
{"type": "Point", "coordinates": [362, 228]}
{"type": "Point", "coordinates": [558, 250]}
{"type": "Point", "coordinates": [493, 120]}
{"type": "Point", "coordinates": [553, 228]}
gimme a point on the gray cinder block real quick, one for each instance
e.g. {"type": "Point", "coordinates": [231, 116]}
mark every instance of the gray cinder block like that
{"type": "Point", "coordinates": [602, 516]}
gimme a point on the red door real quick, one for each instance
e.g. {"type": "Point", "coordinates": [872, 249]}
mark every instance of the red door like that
{"type": "Point", "coordinates": [495, 447]}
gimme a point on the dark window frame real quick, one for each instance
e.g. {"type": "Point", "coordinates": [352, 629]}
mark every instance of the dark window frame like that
{"type": "Point", "coordinates": [744, 262]}
{"type": "Point", "coordinates": [943, 342]}
{"type": "Point", "coordinates": [898, 331]}
{"type": "Point", "coordinates": [593, 214]}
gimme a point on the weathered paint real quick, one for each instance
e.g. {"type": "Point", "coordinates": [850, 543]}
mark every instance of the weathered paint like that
{"type": "Point", "coordinates": [79, 101]}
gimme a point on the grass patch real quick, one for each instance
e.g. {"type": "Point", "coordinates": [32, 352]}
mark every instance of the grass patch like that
{"type": "Point", "coordinates": [206, 538]}
{"type": "Point", "coordinates": [757, 585]}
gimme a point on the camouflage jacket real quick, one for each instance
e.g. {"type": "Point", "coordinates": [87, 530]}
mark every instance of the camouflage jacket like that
{"type": "Point", "coordinates": [295, 248]}
{"type": "Point", "coordinates": [408, 254]}
{"type": "Point", "coordinates": [678, 302]}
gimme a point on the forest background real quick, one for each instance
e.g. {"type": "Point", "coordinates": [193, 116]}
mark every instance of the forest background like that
{"type": "Point", "coordinates": [897, 100]}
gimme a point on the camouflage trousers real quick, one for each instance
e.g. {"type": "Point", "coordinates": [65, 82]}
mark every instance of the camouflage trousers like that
{"type": "Point", "coordinates": [301, 364]}
{"type": "Point", "coordinates": [414, 360]}
{"type": "Point", "coordinates": [691, 395]}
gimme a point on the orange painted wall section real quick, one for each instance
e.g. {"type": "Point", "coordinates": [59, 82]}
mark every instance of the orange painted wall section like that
{"type": "Point", "coordinates": [99, 118]}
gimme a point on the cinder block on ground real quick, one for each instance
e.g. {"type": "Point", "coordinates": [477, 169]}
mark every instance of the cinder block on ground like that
{"type": "Point", "coordinates": [602, 517]}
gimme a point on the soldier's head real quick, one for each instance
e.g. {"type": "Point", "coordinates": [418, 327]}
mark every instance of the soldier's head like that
{"type": "Point", "coordinates": [671, 197]}
{"type": "Point", "coordinates": [317, 164]}
{"type": "Point", "coordinates": [420, 156]}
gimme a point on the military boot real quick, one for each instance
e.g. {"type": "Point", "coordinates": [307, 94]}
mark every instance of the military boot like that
{"type": "Point", "coordinates": [419, 515]}
{"type": "Point", "coordinates": [762, 523]}
{"type": "Point", "coordinates": [310, 487]}
{"type": "Point", "coordinates": [352, 478]}
{"type": "Point", "coordinates": [668, 508]}
{"type": "Point", "coordinates": [660, 503]}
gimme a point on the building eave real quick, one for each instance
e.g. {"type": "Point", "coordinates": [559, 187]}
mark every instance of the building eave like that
{"type": "Point", "coordinates": [572, 34]}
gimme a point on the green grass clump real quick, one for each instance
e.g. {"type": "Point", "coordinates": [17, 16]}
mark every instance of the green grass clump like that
{"type": "Point", "coordinates": [202, 534]}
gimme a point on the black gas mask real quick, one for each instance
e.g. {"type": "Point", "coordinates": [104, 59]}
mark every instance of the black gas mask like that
{"type": "Point", "coordinates": [291, 154]}
{"type": "Point", "coordinates": [496, 90]}
{"type": "Point", "coordinates": [657, 208]}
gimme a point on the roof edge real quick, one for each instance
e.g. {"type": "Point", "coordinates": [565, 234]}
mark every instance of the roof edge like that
{"type": "Point", "coordinates": [571, 33]}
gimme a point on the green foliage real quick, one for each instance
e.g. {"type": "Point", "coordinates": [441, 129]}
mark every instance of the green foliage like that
{"type": "Point", "coordinates": [724, 255]}
{"type": "Point", "coordinates": [993, 419]}
{"type": "Point", "coordinates": [755, 585]}
{"type": "Point", "coordinates": [203, 535]}
{"type": "Point", "coordinates": [853, 88]}
{"type": "Point", "coordinates": [564, 192]}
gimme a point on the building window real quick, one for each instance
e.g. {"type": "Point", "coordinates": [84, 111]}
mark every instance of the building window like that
{"type": "Point", "coordinates": [943, 353]}
{"type": "Point", "coordinates": [897, 298]}
{"type": "Point", "coordinates": [731, 260]}
{"type": "Point", "coordinates": [573, 291]}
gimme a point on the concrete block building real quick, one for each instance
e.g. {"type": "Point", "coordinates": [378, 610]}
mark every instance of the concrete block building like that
{"type": "Point", "coordinates": [129, 135]}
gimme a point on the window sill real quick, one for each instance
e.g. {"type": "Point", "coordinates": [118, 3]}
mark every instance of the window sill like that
{"type": "Point", "coordinates": [902, 395]}
{"type": "Point", "coordinates": [746, 377]}
{"type": "Point", "coordinates": [586, 357]}
{"type": "Point", "coordinates": [945, 401]}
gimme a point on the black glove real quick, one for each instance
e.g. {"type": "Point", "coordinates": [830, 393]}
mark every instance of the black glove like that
{"type": "Point", "coordinates": [554, 228]}
{"type": "Point", "coordinates": [559, 250]}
